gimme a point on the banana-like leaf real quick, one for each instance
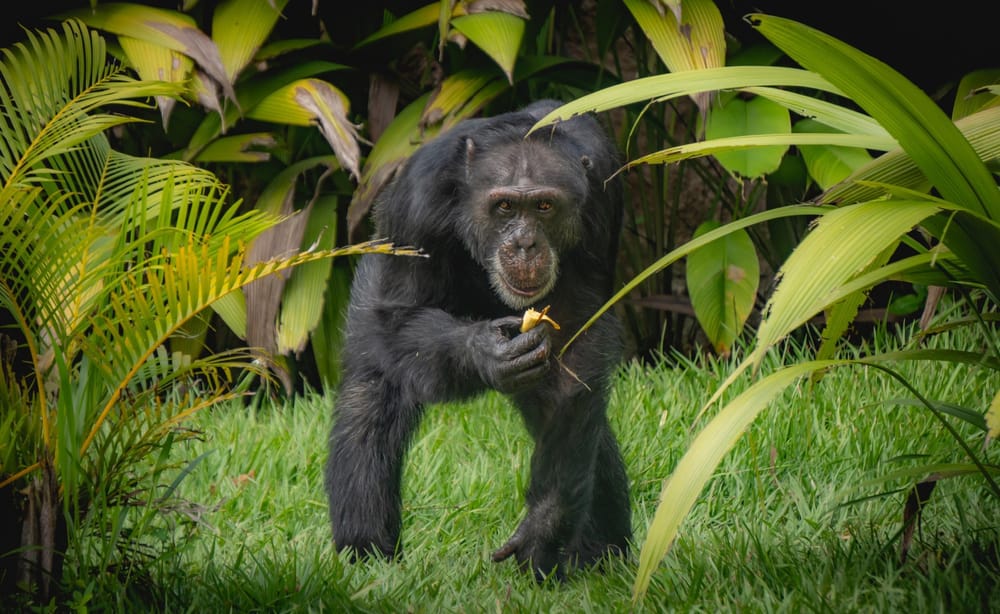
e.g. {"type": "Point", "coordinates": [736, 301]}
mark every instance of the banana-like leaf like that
{"type": "Point", "coordinates": [162, 27]}
{"type": "Point", "coordinates": [158, 63]}
{"type": "Point", "coordinates": [302, 303]}
{"type": "Point", "coordinates": [454, 94]}
{"type": "Point", "coordinates": [420, 18]}
{"type": "Point", "coordinates": [722, 279]}
{"type": "Point", "coordinates": [497, 33]}
{"type": "Point", "coordinates": [328, 336]}
{"type": "Point", "coordinates": [841, 314]}
{"type": "Point", "coordinates": [313, 101]}
{"type": "Point", "coordinates": [461, 95]}
{"type": "Point", "coordinates": [737, 117]}
{"type": "Point", "coordinates": [249, 147]}
{"type": "Point", "coordinates": [232, 308]}
{"type": "Point", "coordinates": [264, 297]}
{"type": "Point", "coordinates": [390, 151]}
{"type": "Point", "coordinates": [252, 90]}
{"type": "Point", "coordinates": [240, 27]}
{"type": "Point", "coordinates": [701, 459]}
{"type": "Point", "coordinates": [275, 49]}
{"type": "Point", "coordinates": [690, 37]}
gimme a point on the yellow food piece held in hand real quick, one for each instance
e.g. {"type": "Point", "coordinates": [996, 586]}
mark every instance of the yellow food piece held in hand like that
{"type": "Point", "coordinates": [532, 318]}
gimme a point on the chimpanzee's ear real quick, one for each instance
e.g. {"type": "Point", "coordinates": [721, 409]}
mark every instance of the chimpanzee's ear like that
{"type": "Point", "coordinates": [470, 150]}
{"type": "Point", "coordinates": [587, 162]}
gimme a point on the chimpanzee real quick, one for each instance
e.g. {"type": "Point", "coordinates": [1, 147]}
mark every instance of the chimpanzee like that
{"type": "Point", "coordinates": [507, 222]}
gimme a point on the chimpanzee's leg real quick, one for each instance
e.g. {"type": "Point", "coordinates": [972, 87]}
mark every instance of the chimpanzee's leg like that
{"type": "Point", "coordinates": [371, 432]}
{"type": "Point", "coordinates": [577, 510]}
{"type": "Point", "coordinates": [609, 523]}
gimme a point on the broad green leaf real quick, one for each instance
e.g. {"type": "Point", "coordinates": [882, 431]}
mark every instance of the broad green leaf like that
{"type": "Point", "coordinates": [315, 102]}
{"type": "Point", "coordinates": [390, 151]}
{"type": "Point", "coordinates": [328, 336]}
{"type": "Point", "coordinates": [232, 308]}
{"type": "Point", "coordinates": [455, 92]}
{"type": "Point", "coordinates": [162, 27]}
{"type": "Point", "coordinates": [302, 303]}
{"type": "Point", "coordinates": [274, 49]}
{"type": "Point", "coordinates": [828, 164]}
{"type": "Point", "coordinates": [701, 459]}
{"type": "Point", "coordinates": [420, 18]}
{"type": "Point", "coordinates": [240, 27]}
{"type": "Point", "coordinates": [461, 95]}
{"type": "Point", "coordinates": [691, 37]}
{"type": "Point", "coordinates": [971, 95]}
{"type": "Point", "coordinates": [661, 88]}
{"type": "Point", "coordinates": [497, 33]}
{"type": "Point", "coordinates": [738, 117]}
{"type": "Point", "coordinates": [252, 90]}
{"type": "Point", "coordinates": [264, 297]}
{"type": "Point", "coordinates": [281, 189]}
{"type": "Point", "coordinates": [691, 246]}
{"type": "Point", "coordinates": [157, 63]}
{"type": "Point", "coordinates": [843, 244]}
{"type": "Point", "coordinates": [250, 147]}
{"type": "Point", "coordinates": [445, 9]}
{"type": "Point", "coordinates": [722, 279]}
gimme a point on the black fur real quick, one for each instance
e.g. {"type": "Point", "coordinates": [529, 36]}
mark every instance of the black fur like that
{"type": "Point", "coordinates": [423, 330]}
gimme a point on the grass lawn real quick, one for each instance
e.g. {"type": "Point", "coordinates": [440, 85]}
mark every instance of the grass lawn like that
{"type": "Point", "coordinates": [797, 518]}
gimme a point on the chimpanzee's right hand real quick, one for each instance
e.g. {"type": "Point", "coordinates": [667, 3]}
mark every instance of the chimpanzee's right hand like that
{"type": "Point", "coordinates": [507, 359]}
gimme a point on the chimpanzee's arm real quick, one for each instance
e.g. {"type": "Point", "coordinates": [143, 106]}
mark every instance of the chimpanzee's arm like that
{"type": "Point", "coordinates": [433, 356]}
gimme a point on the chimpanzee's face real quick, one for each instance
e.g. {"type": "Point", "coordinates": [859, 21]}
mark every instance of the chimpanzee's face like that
{"type": "Point", "coordinates": [522, 212]}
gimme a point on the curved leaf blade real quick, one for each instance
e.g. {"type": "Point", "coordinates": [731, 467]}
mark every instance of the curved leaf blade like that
{"type": "Point", "coordinates": [702, 457]}
{"type": "Point", "coordinates": [844, 242]}
{"type": "Point", "coordinates": [921, 128]}
{"type": "Point", "coordinates": [660, 88]}
{"type": "Point", "coordinates": [497, 33]}
{"type": "Point", "coordinates": [691, 38]}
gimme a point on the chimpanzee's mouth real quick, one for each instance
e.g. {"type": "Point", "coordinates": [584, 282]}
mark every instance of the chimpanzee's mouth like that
{"type": "Point", "coordinates": [530, 291]}
{"type": "Point", "coordinates": [512, 289]}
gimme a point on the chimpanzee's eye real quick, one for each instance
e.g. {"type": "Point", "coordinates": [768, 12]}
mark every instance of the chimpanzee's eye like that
{"type": "Point", "coordinates": [544, 206]}
{"type": "Point", "coordinates": [503, 205]}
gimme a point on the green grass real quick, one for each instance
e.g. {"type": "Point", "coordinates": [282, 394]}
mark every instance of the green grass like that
{"type": "Point", "coordinates": [788, 524]}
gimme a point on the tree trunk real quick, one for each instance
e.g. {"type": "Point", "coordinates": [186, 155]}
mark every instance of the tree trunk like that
{"type": "Point", "coordinates": [36, 562]}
